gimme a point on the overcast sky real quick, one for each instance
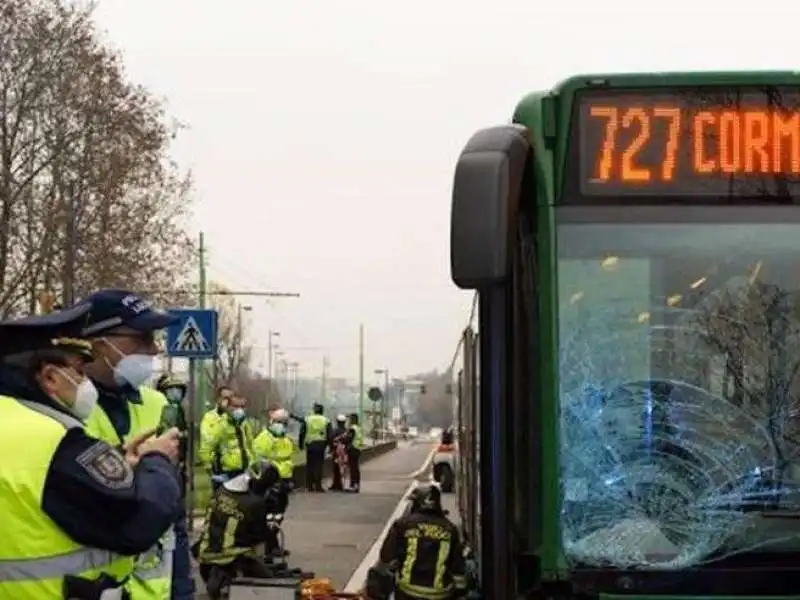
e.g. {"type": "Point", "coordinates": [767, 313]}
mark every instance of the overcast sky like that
{"type": "Point", "coordinates": [324, 134]}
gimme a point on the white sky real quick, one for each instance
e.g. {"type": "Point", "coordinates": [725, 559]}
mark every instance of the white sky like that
{"type": "Point", "coordinates": [324, 134]}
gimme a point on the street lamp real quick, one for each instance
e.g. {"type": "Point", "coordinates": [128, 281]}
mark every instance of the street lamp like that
{"type": "Point", "coordinates": [271, 349]}
{"type": "Point", "coordinates": [384, 400]}
{"type": "Point", "coordinates": [243, 308]}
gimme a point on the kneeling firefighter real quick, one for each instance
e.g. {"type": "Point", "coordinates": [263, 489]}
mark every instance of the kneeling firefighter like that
{"type": "Point", "coordinates": [236, 525]}
{"type": "Point", "coordinates": [422, 557]}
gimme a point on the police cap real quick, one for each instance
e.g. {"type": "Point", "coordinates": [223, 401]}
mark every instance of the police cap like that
{"type": "Point", "coordinates": [114, 308]}
{"type": "Point", "coordinates": [57, 330]}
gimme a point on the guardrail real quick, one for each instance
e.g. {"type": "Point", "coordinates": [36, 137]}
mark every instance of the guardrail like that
{"type": "Point", "coordinates": [367, 454]}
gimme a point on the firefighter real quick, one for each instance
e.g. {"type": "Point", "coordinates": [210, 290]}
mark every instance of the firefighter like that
{"type": "Point", "coordinates": [174, 414]}
{"type": "Point", "coordinates": [315, 437]}
{"type": "Point", "coordinates": [422, 557]}
{"type": "Point", "coordinates": [236, 525]}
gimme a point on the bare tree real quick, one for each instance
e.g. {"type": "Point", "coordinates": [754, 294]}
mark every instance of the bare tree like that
{"type": "Point", "coordinates": [234, 351]}
{"type": "Point", "coordinates": [88, 195]}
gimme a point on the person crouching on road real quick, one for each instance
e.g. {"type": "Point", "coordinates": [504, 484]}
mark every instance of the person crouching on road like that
{"type": "Point", "coordinates": [228, 451]}
{"type": "Point", "coordinates": [339, 453]}
{"type": "Point", "coordinates": [315, 437]}
{"type": "Point", "coordinates": [237, 525]}
{"type": "Point", "coordinates": [275, 445]}
{"type": "Point", "coordinates": [422, 557]}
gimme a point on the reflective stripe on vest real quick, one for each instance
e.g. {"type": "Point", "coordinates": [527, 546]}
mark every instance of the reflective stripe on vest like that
{"type": "Point", "coordinates": [316, 426]}
{"type": "Point", "coordinates": [74, 563]}
{"type": "Point", "coordinates": [33, 567]}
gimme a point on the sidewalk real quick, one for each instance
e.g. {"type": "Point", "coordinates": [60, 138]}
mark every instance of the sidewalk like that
{"type": "Point", "coordinates": [331, 533]}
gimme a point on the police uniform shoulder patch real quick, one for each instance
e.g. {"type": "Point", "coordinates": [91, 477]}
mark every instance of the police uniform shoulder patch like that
{"type": "Point", "coordinates": [107, 466]}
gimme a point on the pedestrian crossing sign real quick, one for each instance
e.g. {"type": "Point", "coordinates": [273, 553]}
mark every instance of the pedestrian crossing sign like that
{"type": "Point", "coordinates": [194, 334]}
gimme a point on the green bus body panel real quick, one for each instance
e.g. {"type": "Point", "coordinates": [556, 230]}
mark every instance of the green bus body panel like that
{"type": "Point", "coordinates": [548, 164]}
{"type": "Point", "coordinates": [549, 538]}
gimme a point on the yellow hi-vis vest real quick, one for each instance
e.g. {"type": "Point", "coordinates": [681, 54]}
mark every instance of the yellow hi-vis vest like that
{"type": "Point", "coordinates": [35, 555]}
{"type": "Point", "coordinates": [279, 450]}
{"type": "Point", "coordinates": [358, 437]}
{"type": "Point", "coordinates": [316, 426]}
{"type": "Point", "coordinates": [152, 577]}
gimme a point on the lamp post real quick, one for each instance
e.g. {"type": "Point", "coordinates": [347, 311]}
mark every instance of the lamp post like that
{"type": "Point", "coordinates": [271, 349]}
{"type": "Point", "coordinates": [384, 400]}
{"type": "Point", "coordinates": [243, 308]}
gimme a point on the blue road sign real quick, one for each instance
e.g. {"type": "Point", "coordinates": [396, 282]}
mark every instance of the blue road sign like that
{"type": "Point", "coordinates": [194, 335]}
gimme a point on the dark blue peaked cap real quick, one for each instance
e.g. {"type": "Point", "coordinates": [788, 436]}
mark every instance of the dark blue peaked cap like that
{"type": "Point", "coordinates": [114, 308]}
{"type": "Point", "coordinates": [39, 332]}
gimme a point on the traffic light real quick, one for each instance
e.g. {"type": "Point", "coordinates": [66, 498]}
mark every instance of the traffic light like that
{"type": "Point", "coordinates": [422, 389]}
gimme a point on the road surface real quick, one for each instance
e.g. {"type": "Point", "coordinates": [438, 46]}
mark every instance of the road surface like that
{"type": "Point", "coordinates": [331, 533]}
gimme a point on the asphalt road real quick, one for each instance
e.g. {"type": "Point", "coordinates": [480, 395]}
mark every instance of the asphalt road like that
{"type": "Point", "coordinates": [331, 533]}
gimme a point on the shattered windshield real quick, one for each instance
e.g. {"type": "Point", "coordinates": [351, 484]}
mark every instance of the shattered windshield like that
{"type": "Point", "coordinates": [679, 356]}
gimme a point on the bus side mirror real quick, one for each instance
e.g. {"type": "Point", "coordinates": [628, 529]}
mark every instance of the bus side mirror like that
{"type": "Point", "coordinates": [486, 190]}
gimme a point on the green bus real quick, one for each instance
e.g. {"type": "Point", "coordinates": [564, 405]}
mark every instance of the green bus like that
{"type": "Point", "coordinates": [627, 395]}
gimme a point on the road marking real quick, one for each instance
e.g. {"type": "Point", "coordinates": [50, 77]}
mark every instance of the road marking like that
{"type": "Point", "coordinates": [359, 576]}
{"type": "Point", "coordinates": [425, 464]}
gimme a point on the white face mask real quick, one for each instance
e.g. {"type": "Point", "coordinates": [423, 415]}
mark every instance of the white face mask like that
{"type": "Point", "coordinates": [278, 428]}
{"type": "Point", "coordinates": [85, 397]}
{"type": "Point", "coordinates": [133, 369]}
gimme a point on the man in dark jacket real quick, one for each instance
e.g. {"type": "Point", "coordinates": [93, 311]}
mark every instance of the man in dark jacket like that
{"type": "Point", "coordinates": [412, 553]}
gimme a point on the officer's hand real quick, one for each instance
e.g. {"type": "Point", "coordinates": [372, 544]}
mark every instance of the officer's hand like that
{"type": "Point", "coordinates": [167, 444]}
{"type": "Point", "coordinates": [133, 447]}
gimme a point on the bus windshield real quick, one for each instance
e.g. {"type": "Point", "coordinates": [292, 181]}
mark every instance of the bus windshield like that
{"type": "Point", "coordinates": [679, 349]}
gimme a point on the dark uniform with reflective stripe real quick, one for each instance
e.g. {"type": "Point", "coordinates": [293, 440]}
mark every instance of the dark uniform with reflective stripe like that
{"type": "Point", "coordinates": [90, 491]}
{"type": "Point", "coordinates": [425, 552]}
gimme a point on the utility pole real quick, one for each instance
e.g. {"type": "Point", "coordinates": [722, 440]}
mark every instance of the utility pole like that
{"type": "Point", "coordinates": [361, 375]}
{"type": "Point", "coordinates": [270, 351]}
{"type": "Point", "coordinates": [324, 380]}
{"type": "Point", "coordinates": [199, 368]}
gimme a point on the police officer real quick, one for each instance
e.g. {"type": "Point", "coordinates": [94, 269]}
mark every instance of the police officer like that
{"type": "Point", "coordinates": [274, 445]}
{"type": "Point", "coordinates": [316, 434]}
{"type": "Point", "coordinates": [91, 507]}
{"type": "Point", "coordinates": [228, 450]}
{"type": "Point", "coordinates": [215, 415]}
{"type": "Point", "coordinates": [422, 552]}
{"type": "Point", "coordinates": [123, 326]}
{"type": "Point", "coordinates": [355, 443]}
